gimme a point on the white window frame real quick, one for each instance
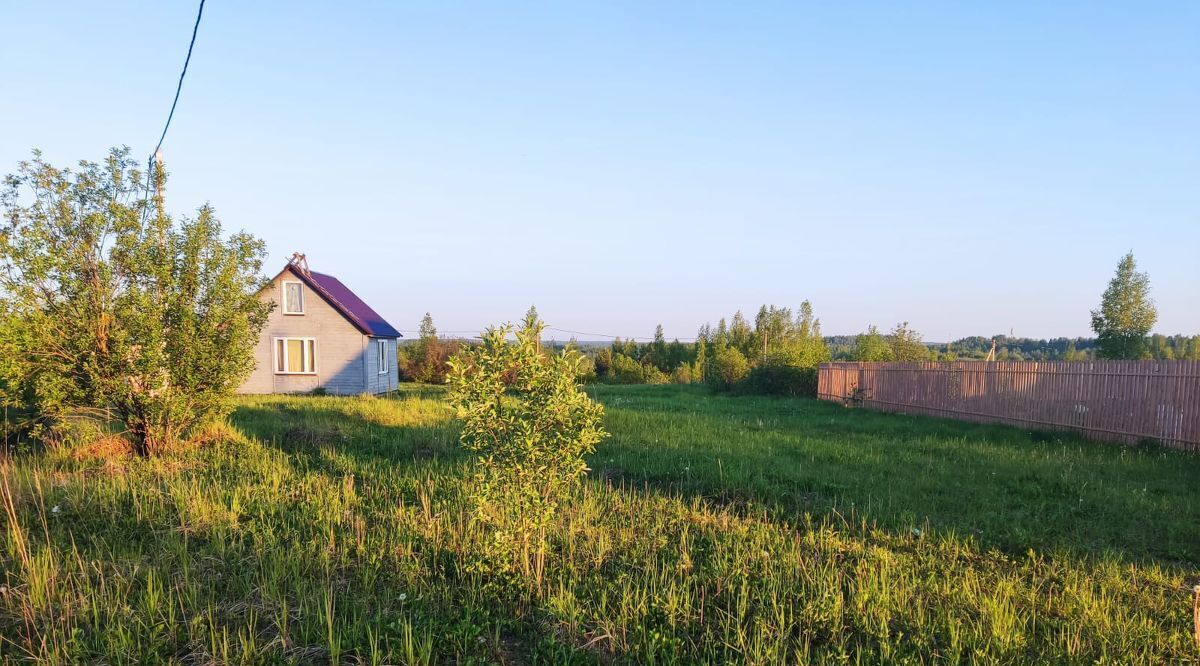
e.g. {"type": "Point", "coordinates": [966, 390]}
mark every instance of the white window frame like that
{"type": "Point", "coordinates": [284, 300]}
{"type": "Point", "coordinates": [285, 339]}
{"type": "Point", "coordinates": [383, 349]}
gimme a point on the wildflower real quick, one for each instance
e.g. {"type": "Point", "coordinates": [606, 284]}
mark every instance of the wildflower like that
{"type": "Point", "coordinates": [403, 596]}
{"type": "Point", "coordinates": [56, 510]}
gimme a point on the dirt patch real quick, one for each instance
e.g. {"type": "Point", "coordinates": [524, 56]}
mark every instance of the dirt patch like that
{"type": "Point", "coordinates": [103, 448]}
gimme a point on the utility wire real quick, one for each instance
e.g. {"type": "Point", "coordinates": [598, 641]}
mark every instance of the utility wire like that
{"type": "Point", "coordinates": [599, 335]}
{"type": "Point", "coordinates": [174, 102]}
{"type": "Point", "coordinates": [179, 88]}
{"type": "Point", "coordinates": [605, 335]}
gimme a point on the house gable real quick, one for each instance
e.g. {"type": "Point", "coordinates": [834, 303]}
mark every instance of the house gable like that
{"type": "Point", "coordinates": [337, 295]}
{"type": "Point", "coordinates": [318, 340]}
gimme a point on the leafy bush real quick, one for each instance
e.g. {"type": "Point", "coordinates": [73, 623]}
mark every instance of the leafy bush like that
{"type": "Point", "coordinates": [586, 372]}
{"type": "Point", "coordinates": [682, 374]}
{"type": "Point", "coordinates": [780, 379]}
{"type": "Point", "coordinates": [625, 370]}
{"type": "Point", "coordinates": [525, 416]}
{"type": "Point", "coordinates": [871, 346]}
{"type": "Point", "coordinates": [426, 359]}
{"type": "Point", "coordinates": [114, 309]}
{"type": "Point", "coordinates": [727, 367]}
{"type": "Point", "coordinates": [652, 375]}
{"type": "Point", "coordinates": [603, 364]}
{"type": "Point", "coordinates": [906, 344]}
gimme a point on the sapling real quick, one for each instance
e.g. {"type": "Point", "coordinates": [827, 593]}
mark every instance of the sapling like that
{"type": "Point", "coordinates": [526, 417]}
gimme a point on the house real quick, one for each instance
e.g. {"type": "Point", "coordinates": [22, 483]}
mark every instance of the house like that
{"type": "Point", "coordinates": [321, 336]}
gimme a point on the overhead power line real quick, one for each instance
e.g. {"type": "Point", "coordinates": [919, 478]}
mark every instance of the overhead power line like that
{"type": "Point", "coordinates": [174, 103]}
{"type": "Point", "coordinates": [599, 335]}
{"type": "Point", "coordinates": [179, 87]}
{"type": "Point", "coordinates": [606, 335]}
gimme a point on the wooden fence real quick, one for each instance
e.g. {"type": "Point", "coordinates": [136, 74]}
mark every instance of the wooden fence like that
{"type": "Point", "coordinates": [1123, 401]}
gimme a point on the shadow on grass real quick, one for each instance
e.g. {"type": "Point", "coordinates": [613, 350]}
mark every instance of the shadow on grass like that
{"type": "Point", "coordinates": [352, 435]}
{"type": "Point", "coordinates": [395, 447]}
{"type": "Point", "coordinates": [1006, 487]}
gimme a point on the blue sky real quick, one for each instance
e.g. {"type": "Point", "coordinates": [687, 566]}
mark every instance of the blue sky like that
{"type": "Point", "coordinates": [969, 167]}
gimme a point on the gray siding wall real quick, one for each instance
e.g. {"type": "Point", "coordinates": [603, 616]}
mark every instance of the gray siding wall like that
{"type": "Point", "coordinates": [342, 349]}
{"type": "Point", "coordinates": [378, 382]}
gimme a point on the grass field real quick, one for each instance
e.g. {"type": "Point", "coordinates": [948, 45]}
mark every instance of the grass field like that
{"type": "Point", "coordinates": [711, 529]}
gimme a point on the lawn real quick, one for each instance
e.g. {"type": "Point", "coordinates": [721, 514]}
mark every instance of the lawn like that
{"type": "Point", "coordinates": [712, 529]}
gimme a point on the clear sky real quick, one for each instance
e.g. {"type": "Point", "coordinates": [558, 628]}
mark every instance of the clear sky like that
{"type": "Point", "coordinates": [969, 167]}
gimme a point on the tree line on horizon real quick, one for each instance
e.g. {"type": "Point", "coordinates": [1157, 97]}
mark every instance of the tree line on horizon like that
{"type": "Point", "coordinates": [779, 351]}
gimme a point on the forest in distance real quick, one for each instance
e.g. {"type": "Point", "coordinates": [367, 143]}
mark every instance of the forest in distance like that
{"type": "Point", "coordinates": [777, 353]}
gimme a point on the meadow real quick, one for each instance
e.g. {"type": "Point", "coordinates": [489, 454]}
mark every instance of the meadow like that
{"type": "Point", "coordinates": [711, 529]}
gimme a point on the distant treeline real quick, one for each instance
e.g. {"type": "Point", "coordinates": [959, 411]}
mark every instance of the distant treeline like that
{"type": "Point", "coordinates": [776, 353]}
{"type": "Point", "coordinates": [1162, 347]}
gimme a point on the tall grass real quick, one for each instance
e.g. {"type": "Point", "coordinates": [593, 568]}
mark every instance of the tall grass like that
{"type": "Point", "coordinates": [745, 530]}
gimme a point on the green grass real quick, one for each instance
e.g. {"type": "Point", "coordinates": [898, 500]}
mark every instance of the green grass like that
{"type": "Point", "coordinates": [712, 529]}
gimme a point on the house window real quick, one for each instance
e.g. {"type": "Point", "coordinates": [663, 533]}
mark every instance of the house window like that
{"type": "Point", "coordinates": [295, 356]}
{"type": "Point", "coordinates": [385, 362]}
{"type": "Point", "coordinates": [293, 298]}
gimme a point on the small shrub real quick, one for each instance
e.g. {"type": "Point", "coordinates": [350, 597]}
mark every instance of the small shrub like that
{"type": "Point", "coordinates": [780, 379]}
{"type": "Point", "coordinates": [603, 364]}
{"type": "Point", "coordinates": [652, 375]}
{"type": "Point", "coordinates": [426, 361]}
{"type": "Point", "coordinates": [74, 432]}
{"type": "Point", "coordinates": [726, 368]}
{"type": "Point", "coordinates": [625, 370]}
{"type": "Point", "coordinates": [682, 374]}
{"type": "Point", "coordinates": [525, 416]}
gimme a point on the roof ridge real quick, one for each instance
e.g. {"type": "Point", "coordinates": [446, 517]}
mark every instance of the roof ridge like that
{"type": "Point", "coordinates": [341, 307]}
{"type": "Point", "coordinates": [356, 311]}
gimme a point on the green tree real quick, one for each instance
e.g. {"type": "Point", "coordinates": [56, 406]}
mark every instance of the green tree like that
{"type": "Point", "coordinates": [906, 344]}
{"type": "Point", "coordinates": [426, 360]}
{"type": "Point", "coordinates": [658, 350]}
{"type": "Point", "coordinates": [1192, 352]}
{"type": "Point", "coordinates": [1072, 353]}
{"type": "Point", "coordinates": [1160, 348]}
{"type": "Point", "coordinates": [1126, 313]}
{"type": "Point", "coordinates": [530, 424]}
{"type": "Point", "coordinates": [720, 337]}
{"type": "Point", "coordinates": [740, 334]}
{"type": "Point", "coordinates": [682, 374]}
{"type": "Point", "coordinates": [603, 363]}
{"type": "Point", "coordinates": [701, 364]}
{"type": "Point", "coordinates": [803, 346]}
{"type": "Point", "coordinates": [111, 307]}
{"type": "Point", "coordinates": [626, 370]}
{"type": "Point", "coordinates": [426, 330]}
{"type": "Point", "coordinates": [532, 317]}
{"type": "Point", "coordinates": [727, 367]}
{"type": "Point", "coordinates": [871, 346]}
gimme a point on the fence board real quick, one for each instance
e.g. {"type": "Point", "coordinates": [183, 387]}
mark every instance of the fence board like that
{"type": "Point", "coordinates": [1123, 401]}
